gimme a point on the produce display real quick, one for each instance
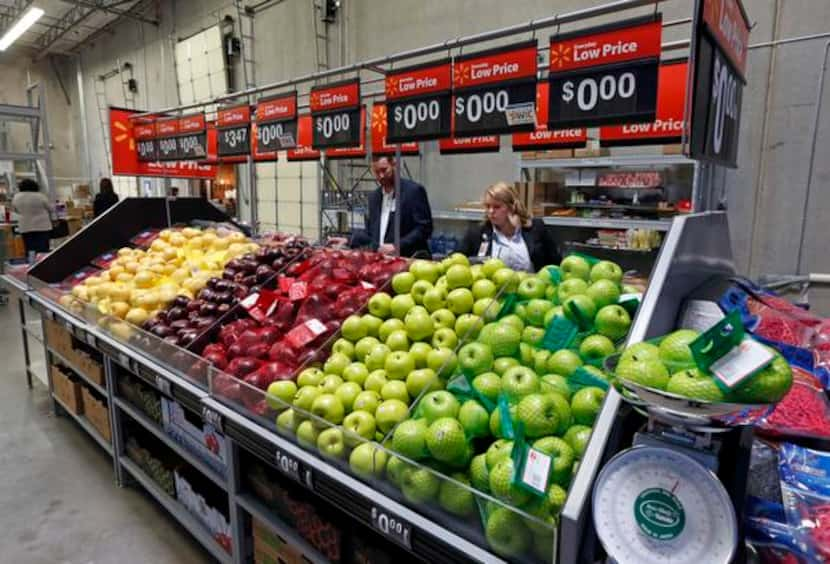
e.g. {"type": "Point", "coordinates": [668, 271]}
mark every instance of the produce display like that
{"type": "Point", "coordinates": [178, 262]}
{"type": "Point", "coordinates": [277, 332]}
{"type": "Point", "coordinates": [443, 383]}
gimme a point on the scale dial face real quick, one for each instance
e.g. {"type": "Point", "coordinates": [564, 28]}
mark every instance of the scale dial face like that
{"type": "Point", "coordinates": [658, 505]}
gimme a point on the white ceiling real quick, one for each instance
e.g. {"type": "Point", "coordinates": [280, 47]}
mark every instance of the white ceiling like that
{"type": "Point", "coordinates": [32, 42]}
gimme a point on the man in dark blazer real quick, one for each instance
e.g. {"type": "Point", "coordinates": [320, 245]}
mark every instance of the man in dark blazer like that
{"type": "Point", "coordinates": [416, 216]}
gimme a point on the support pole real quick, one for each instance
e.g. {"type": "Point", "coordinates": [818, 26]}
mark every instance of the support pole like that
{"type": "Point", "coordinates": [398, 210]}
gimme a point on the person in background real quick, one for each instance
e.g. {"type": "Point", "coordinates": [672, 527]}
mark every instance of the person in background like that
{"type": "Point", "coordinates": [416, 215]}
{"type": "Point", "coordinates": [510, 233]}
{"type": "Point", "coordinates": [35, 222]}
{"type": "Point", "coordinates": [105, 198]}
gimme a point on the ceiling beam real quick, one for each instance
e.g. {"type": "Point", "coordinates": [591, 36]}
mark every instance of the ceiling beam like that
{"type": "Point", "coordinates": [12, 12]}
{"type": "Point", "coordinates": [109, 8]}
{"type": "Point", "coordinates": [70, 19]}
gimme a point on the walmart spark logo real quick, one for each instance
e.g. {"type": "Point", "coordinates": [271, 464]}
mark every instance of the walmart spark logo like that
{"type": "Point", "coordinates": [379, 120]}
{"type": "Point", "coordinates": [560, 55]}
{"type": "Point", "coordinates": [124, 136]}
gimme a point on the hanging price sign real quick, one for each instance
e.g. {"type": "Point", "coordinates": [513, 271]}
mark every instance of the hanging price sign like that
{"type": "Point", "coordinates": [495, 91]}
{"type": "Point", "coordinates": [481, 144]}
{"type": "Point", "coordinates": [419, 102]}
{"type": "Point", "coordinates": [358, 152]}
{"type": "Point", "coordinates": [303, 150]}
{"type": "Point", "coordinates": [167, 131]}
{"type": "Point", "coordinates": [668, 125]}
{"type": "Point", "coordinates": [192, 139]}
{"type": "Point", "coordinates": [379, 134]}
{"type": "Point", "coordinates": [543, 138]}
{"type": "Point", "coordinates": [276, 119]}
{"type": "Point", "coordinates": [605, 75]}
{"type": "Point", "coordinates": [145, 141]}
{"type": "Point", "coordinates": [335, 112]}
{"type": "Point", "coordinates": [720, 44]}
{"type": "Point", "coordinates": [233, 131]}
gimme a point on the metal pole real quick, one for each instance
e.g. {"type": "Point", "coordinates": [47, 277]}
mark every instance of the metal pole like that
{"type": "Point", "coordinates": [443, 47]}
{"type": "Point", "coordinates": [84, 126]}
{"type": "Point", "coordinates": [819, 100]}
{"type": "Point", "coordinates": [398, 210]}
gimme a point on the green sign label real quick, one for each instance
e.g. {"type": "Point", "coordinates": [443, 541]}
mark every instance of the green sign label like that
{"type": "Point", "coordinates": [659, 514]}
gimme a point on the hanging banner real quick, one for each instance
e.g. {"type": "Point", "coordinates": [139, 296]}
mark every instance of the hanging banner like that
{"type": "Point", "coordinates": [605, 75]}
{"type": "Point", "coordinates": [124, 153]}
{"type": "Point", "coordinates": [276, 120]}
{"type": "Point", "coordinates": [167, 130]}
{"type": "Point", "coordinates": [303, 150]}
{"type": "Point", "coordinates": [233, 131]}
{"type": "Point", "coordinates": [335, 110]}
{"type": "Point", "coordinates": [192, 139]}
{"type": "Point", "coordinates": [379, 134]}
{"type": "Point", "coordinates": [494, 91]}
{"type": "Point", "coordinates": [719, 42]}
{"type": "Point", "coordinates": [145, 137]}
{"type": "Point", "coordinates": [668, 126]}
{"type": "Point", "coordinates": [419, 100]}
{"type": "Point", "coordinates": [357, 152]}
{"type": "Point", "coordinates": [543, 138]}
{"type": "Point", "coordinates": [481, 144]}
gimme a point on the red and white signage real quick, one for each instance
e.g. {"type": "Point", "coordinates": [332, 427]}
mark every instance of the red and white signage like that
{"type": "Point", "coordinates": [303, 150]}
{"type": "Point", "coordinates": [379, 144]}
{"type": "Point", "coordinates": [671, 101]}
{"type": "Point", "coordinates": [167, 127]}
{"type": "Point", "coordinates": [144, 130]}
{"type": "Point", "coordinates": [192, 124]}
{"type": "Point", "coordinates": [277, 108]}
{"type": "Point", "coordinates": [543, 138]}
{"type": "Point", "coordinates": [125, 157]}
{"type": "Point", "coordinates": [480, 144]}
{"type": "Point", "coordinates": [502, 64]}
{"type": "Point", "coordinates": [335, 96]}
{"type": "Point", "coordinates": [577, 50]}
{"type": "Point", "coordinates": [729, 25]}
{"type": "Point", "coordinates": [426, 79]}
{"type": "Point", "coordinates": [258, 154]}
{"type": "Point", "coordinates": [237, 115]}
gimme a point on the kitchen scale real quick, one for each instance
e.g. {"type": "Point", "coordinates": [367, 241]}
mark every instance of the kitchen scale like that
{"type": "Point", "coordinates": [676, 495]}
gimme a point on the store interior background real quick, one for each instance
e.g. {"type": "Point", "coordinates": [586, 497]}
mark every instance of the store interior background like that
{"type": "Point", "coordinates": [765, 196]}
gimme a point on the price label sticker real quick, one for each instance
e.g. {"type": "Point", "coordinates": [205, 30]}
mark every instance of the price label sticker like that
{"type": "Point", "coordinates": [212, 417]}
{"type": "Point", "coordinates": [163, 385]}
{"type": "Point", "coordinates": [69, 326]}
{"type": "Point", "coordinates": [50, 315]}
{"type": "Point", "coordinates": [124, 360]}
{"type": "Point", "coordinates": [741, 362]}
{"type": "Point", "coordinates": [536, 470]}
{"type": "Point", "coordinates": [520, 114]}
{"type": "Point", "coordinates": [305, 333]}
{"type": "Point", "coordinates": [297, 291]}
{"type": "Point", "coordinates": [392, 527]}
{"type": "Point", "coordinates": [90, 340]}
{"type": "Point", "coordinates": [293, 468]}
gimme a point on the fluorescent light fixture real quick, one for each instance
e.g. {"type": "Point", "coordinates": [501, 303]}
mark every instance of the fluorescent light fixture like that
{"type": "Point", "coordinates": [20, 27]}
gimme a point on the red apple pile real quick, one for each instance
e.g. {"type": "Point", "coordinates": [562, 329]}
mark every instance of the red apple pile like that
{"type": "Point", "coordinates": [318, 292]}
{"type": "Point", "coordinates": [185, 319]}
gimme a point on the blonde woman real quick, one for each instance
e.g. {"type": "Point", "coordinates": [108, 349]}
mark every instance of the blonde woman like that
{"type": "Point", "coordinates": [510, 233]}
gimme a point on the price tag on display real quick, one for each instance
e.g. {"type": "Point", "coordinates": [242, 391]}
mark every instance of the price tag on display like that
{"type": "Point", "coordinates": [419, 102]}
{"type": "Point", "coordinates": [495, 91]}
{"type": "Point", "coordinates": [212, 417]}
{"type": "Point", "coordinates": [297, 291]}
{"type": "Point", "coordinates": [336, 115]}
{"type": "Point", "coordinates": [392, 527]}
{"type": "Point", "coordinates": [277, 122]}
{"type": "Point", "coordinates": [303, 334]}
{"type": "Point", "coordinates": [147, 149]}
{"type": "Point", "coordinates": [234, 131]}
{"type": "Point", "coordinates": [605, 75]}
{"type": "Point", "coordinates": [291, 467]}
{"type": "Point", "coordinates": [90, 340]}
{"type": "Point", "coordinates": [168, 146]}
{"type": "Point", "coordinates": [124, 360]}
{"type": "Point", "coordinates": [192, 146]}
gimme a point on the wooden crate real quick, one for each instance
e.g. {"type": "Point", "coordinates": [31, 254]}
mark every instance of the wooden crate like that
{"type": "Point", "coordinates": [88, 366]}
{"type": "Point", "coordinates": [97, 413]}
{"type": "Point", "coordinates": [67, 391]}
{"type": "Point", "coordinates": [58, 338]}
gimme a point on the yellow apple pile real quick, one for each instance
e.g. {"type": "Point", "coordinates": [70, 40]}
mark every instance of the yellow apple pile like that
{"type": "Point", "coordinates": [179, 262]}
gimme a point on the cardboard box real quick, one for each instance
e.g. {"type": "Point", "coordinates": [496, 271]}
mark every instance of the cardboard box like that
{"type": "Point", "coordinates": [58, 338]}
{"type": "Point", "coordinates": [67, 391]}
{"type": "Point", "coordinates": [202, 440]}
{"type": "Point", "coordinates": [270, 548]}
{"type": "Point", "coordinates": [97, 413]}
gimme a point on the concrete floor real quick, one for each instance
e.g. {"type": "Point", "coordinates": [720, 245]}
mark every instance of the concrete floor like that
{"type": "Point", "coordinates": [58, 499]}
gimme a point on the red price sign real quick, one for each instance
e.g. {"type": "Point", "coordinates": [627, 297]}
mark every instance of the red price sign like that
{"type": "Point", "coordinates": [590, 85]}
{"type": "Point", "coordinates": [668, 126]}
{"type": "Point", "coordinates": [728, 23]}
{"type": "Point", "coordinates": [419, 102]}
{"type": "Point", "coordinates": [276, 119]}
{"type": "Point", "coordinates": [330, 97]}
{"type": "Point", "coordinates": [233, 136]}
{"type": "Point", "coordinates": [480, 144]}
{"type": "Point", "coordinates": [303, 151]}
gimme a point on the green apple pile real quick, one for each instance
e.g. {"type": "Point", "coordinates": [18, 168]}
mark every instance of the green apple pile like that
{"type": "Point", "coordinates": [669, 365]}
